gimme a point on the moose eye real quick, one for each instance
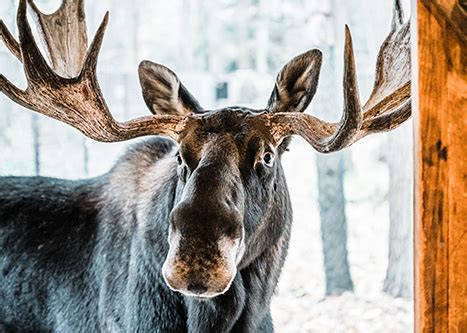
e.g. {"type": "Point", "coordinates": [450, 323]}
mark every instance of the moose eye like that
{"type": "Point", "coordinates": [268, 159]}
{"type": "Point", "coordinates": [179, 159]}
{"type": "Point", "coordinates": [183, 174]}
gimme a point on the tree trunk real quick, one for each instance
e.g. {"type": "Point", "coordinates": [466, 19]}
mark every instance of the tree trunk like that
{"type": "Point", "coordinates": [399, 275]}
{"type": "Point", "coordinates": [333, 223]}
{"type": "Point", "coordinates": [330, 167]}
{"type": "Point", "coordinates": [331, 191]}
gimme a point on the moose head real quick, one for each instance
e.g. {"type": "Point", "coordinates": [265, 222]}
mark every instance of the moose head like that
{"type": "Point", "coordinates": [228, 160]}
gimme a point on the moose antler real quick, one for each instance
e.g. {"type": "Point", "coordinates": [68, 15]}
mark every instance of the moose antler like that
{"type": "Point", "coordinates": [388, 106]}
{"type": "Point", "coordinates": [69, 91]}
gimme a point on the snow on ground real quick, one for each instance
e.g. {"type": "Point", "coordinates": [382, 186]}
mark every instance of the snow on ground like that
{"type": "Point", "coordinates": [299, 304]}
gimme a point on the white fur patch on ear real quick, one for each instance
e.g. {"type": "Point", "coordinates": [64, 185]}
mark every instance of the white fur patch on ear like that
{"type": "Point", "coordinates": [170, 83]}
{"type": "Point", "coordinates": [306, 75]}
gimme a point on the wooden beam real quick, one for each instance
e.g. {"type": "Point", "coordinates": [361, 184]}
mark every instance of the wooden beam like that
{"type": "Point", "coordinates": [440, 96]}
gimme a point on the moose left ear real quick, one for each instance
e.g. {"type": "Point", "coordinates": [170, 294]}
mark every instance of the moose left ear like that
{"type": "Point", "coordinates": [296, 83]}
{"type": "Point", "coordinates": [163, 92]}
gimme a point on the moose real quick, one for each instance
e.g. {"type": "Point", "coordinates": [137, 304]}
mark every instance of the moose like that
{"type": "Point", "coordinates": [189, 230]}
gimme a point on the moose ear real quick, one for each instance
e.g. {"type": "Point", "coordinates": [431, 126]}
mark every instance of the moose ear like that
{"type": "Point", "coordinates": [163, 92]}
{"type": "Point", "coordinates": [296, 83]}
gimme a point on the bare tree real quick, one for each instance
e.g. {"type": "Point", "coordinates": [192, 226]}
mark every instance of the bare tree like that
{"type": "Point", "coordinates": [330, 168]}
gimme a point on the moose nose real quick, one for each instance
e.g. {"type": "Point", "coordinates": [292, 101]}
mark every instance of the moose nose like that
{"type": "Point", "coordinates": [197, 289]}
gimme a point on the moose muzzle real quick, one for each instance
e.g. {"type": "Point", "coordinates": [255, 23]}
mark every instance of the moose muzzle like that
{"type": "Point", "coordinates": [206, 245]}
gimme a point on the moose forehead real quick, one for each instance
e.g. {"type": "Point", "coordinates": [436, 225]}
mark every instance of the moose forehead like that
{"type": "Point", "coordinates": [239, 124]}
{"type": "Point", "coordinates": [233, 120]}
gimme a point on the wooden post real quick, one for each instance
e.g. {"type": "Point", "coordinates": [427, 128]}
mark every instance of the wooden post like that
{"type": "Point", "coordinates": [439, 61]}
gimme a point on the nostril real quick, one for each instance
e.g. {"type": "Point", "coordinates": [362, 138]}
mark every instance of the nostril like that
{"type": "Point", "coordinates": [197, 289]}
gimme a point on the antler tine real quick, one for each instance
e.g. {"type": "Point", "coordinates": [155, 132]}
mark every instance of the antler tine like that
{"type": "Point", "coordinates": [326, 137]}
{"type": "Point", "coordinates": [352, 117]}
{"type": "Point", "coordinates": [389, 103]}
{"type": "Point", "coordinates": [36, 68]}
{"type": "Point", "coordinates": [75, 100]}
{"type": "Point", "coordinates": [65, 43]}
{"type": "Point", "coordinates": [65, 50]}
{"type": "Point", "coordinates": [90, 60]}
{"type": "Point", "coordinates": [397, 15]}
{"type": "Point", "coordinates": [10, 41]}
{"type": "Point", "coordinates": [388, 106]}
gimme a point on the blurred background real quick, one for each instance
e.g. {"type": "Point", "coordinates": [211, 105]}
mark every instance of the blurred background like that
{"type": "Point", "coordinates": [349, 267]}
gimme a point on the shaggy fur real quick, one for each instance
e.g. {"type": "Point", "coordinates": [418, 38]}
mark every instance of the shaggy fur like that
{"type": "Point", "coordinates": [86, 256]}
{"type": "Point", "coordinates": [91, 256]}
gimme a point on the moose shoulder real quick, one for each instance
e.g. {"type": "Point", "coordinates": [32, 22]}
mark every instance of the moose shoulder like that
{"type": "Point", "coordinates": [183, 234]}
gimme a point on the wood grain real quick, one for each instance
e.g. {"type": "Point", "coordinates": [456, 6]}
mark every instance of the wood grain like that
{"type": "Point", "coordinates": [440, 181]}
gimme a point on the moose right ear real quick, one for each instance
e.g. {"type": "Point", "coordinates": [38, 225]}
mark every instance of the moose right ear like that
{"type": "Point", "coordinates": [296, 83]}
{"type": "Point", "coordinates": [163, 92]}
